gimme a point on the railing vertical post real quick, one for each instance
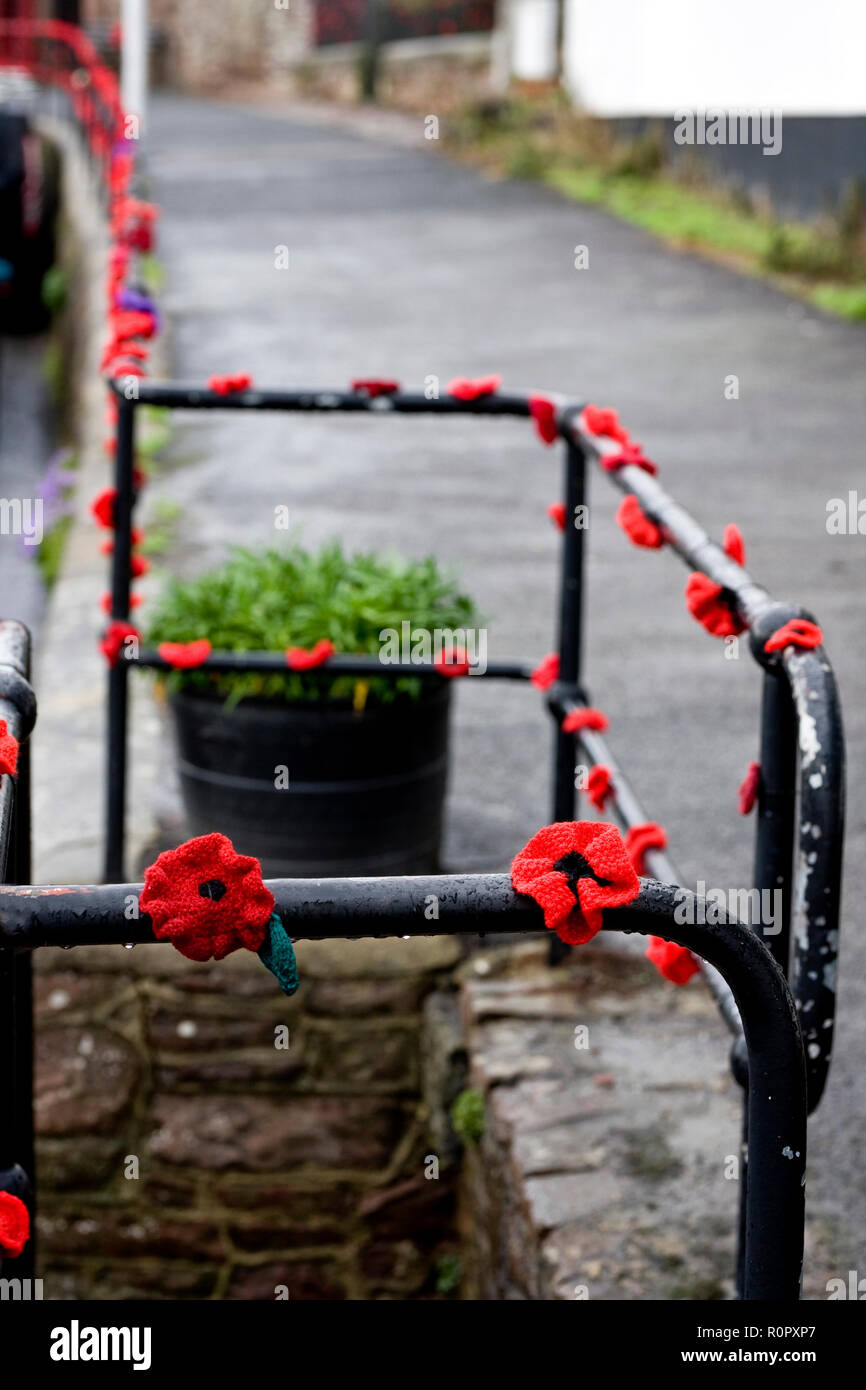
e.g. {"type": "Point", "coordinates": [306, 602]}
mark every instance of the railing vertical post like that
{"type": "Point", "coordinates": [777, 800]}
{"type": "Point", "coordinates": [774, 861]}
{"type": "Point", "coordinates": [570, 637]}
{"type": "Point", "coordinates": [570, 621]}
{"type": "Point", "coordinates": [16, 1088]}
{"type": "Point", "coordinates": [115, 810]}
{"type": "Point", "coordinates": [22, 983]}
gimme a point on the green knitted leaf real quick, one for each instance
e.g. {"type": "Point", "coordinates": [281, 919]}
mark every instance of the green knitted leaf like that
{"type": "Point", "coordinates": [278, 954]}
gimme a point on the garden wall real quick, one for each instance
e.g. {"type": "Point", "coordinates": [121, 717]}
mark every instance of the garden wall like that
{"type": "Point", "coordinates": [200, 1135]}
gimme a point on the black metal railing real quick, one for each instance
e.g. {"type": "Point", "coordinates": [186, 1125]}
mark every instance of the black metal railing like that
{"type": "Point", "coordinates": [800, 809]}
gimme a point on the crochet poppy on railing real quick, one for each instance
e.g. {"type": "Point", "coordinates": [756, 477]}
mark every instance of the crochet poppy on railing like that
{"type": "Point", "coordinates": [712, 606]}
{"type": "Point", "coordinates": [797, 632]}
{"type": "Point", "coordinates": [115, 636]}
{"type": "Point", "coordinates": [640, 839]}
{"type": "Point", "coordinates": [8, 750]}
{"type": "Point", "coordinates": [375, 386]}
{"type": "Point", "coordinates": [454, 662]}
{"type": "Point", "coordinates": [750, 788]}
{"type": "Point", "coordinates": [556, 512]}
{"type": "Point", "coordinates": [546, 672]}
{"type": "Point", "coordinates": [672, 961]}
{"type": "Point", "coordinates": [208, 901]}
{"type": "Point", "coordinates": [733, 544]}
{"type": "Point", "coordinates": [300, 659]}
{"type": "Point", "coordinates": [584, 718]}
{"type": "Point", "coordinates": [603, 422]}
{"type": "Point", "coordinates": [102, 507]}
{"type": "Point", "coordinates": [14, 1225]}
{"type": "Point", "coordinates": [465, 389]}
{"type": "Point", "coordinates": [185, 656]}
{"type": "Point", "coordinates": [630, 455]}
{"type": "Point", "coordinates": [640, 529]}
{"type": "Point", "coordinates": [574, 870]}
{"type": "Point", "coordinates": [543, 412]}
{"type": "Point", "coordinates": [230, 385]}
{"type": "Point", "coordinates": [599, 786]}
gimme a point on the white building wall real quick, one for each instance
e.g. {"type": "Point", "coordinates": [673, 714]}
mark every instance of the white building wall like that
{"type": "Point", "coordinates": [652, 57]}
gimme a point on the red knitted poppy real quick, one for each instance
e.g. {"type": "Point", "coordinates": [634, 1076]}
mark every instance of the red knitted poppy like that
{"type": "Point", "coordinates": [105, 602]}
{"type": "Point", "coordinates": [797, 632]}
{"type": "Point", "coordinates": [543, 412]}
{"type": "Point", "coordinates": [629, 454]}
{"type": "Point", "coordinates": [556, 512]}
{"type": "Point", "coordinates": [453, 663]}
{"type": "Point", "coordinates": [733, 544]}
{"type": "Point", "coordinates": [138, 566]}
{"type": "Point", "coordinates": [102, 507]}
{"type": "Point", "coordinates": [375, 386]}
{"type": "Point", "coordinates": [184, 655]}
{"type": "Point", "coordinates": [584, 718]}
{"type": "Point", "coordinates": [124, 366]}
{"type": "Point", "coordinates": [299, 659]}
{"type": "Point", "coordinates": [599, 786]}
{"type": "Point", "coordinates": [132, 223]}
{"type": "Point", "coordinates": [604, 422]}
{"type": "Point", "coordinates": [467, 390]}
{"type": "Point", "coordinates": [674, 962]}
{"type": "Point", "coordinates": [14, 1224]}
{"type": "Point", "coordinates": [546, 672]}
{"type": "Point", "coordinates": [136, 536]}
{"type": "Point", "coordinates": [639, 528]}
{"type": "Point", "coordinates": [8, 750]}
{"type": "Point", "coordinates": [705, 603]}
{"type": "Point", "coordinates": [132, 323]}
{"type": "Point", "coordinates": [121, 347]}
{"type": "Point", "coordinates": [207, 900]}
{"type": "Point", "coordinates": [750, 788]}
{"type": "Point", "coordinates": [640, 838]}
{"type": "Point", "coordinates": [118, 259]}
{"type": "Point", "coordinates": [229, 385]}
{"type": "Point", "coordinates": [574, 870]}
{"type": "Point", "coordinates": [114, 637]}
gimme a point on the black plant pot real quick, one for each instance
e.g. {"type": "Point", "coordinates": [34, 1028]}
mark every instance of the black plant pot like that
{"type": "Point", "coordinates": [365, 788]}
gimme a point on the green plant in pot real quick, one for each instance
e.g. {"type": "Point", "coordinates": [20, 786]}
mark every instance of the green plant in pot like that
{"type": "Point", "coordinates": [314, 772]}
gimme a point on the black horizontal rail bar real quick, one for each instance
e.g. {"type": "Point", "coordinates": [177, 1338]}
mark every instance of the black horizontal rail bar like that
{"type": "Point", "coordinates": [341, 665]}
{"type": "Point", "coordinates": [178, 396]}
{"type": "Point", "coordinates": [380, 907]}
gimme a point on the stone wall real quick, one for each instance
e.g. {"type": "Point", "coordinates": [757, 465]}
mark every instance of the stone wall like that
{"type": "Point", "coordinates": [607, 1168]}
{"type": "Point", "coordinates": [428, 76]}
{"type": "Point", "coordinates": [185, 1151]}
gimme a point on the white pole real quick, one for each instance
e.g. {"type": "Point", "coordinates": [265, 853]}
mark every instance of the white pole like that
{"type": "Point", "coordinates": [133, 64]}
